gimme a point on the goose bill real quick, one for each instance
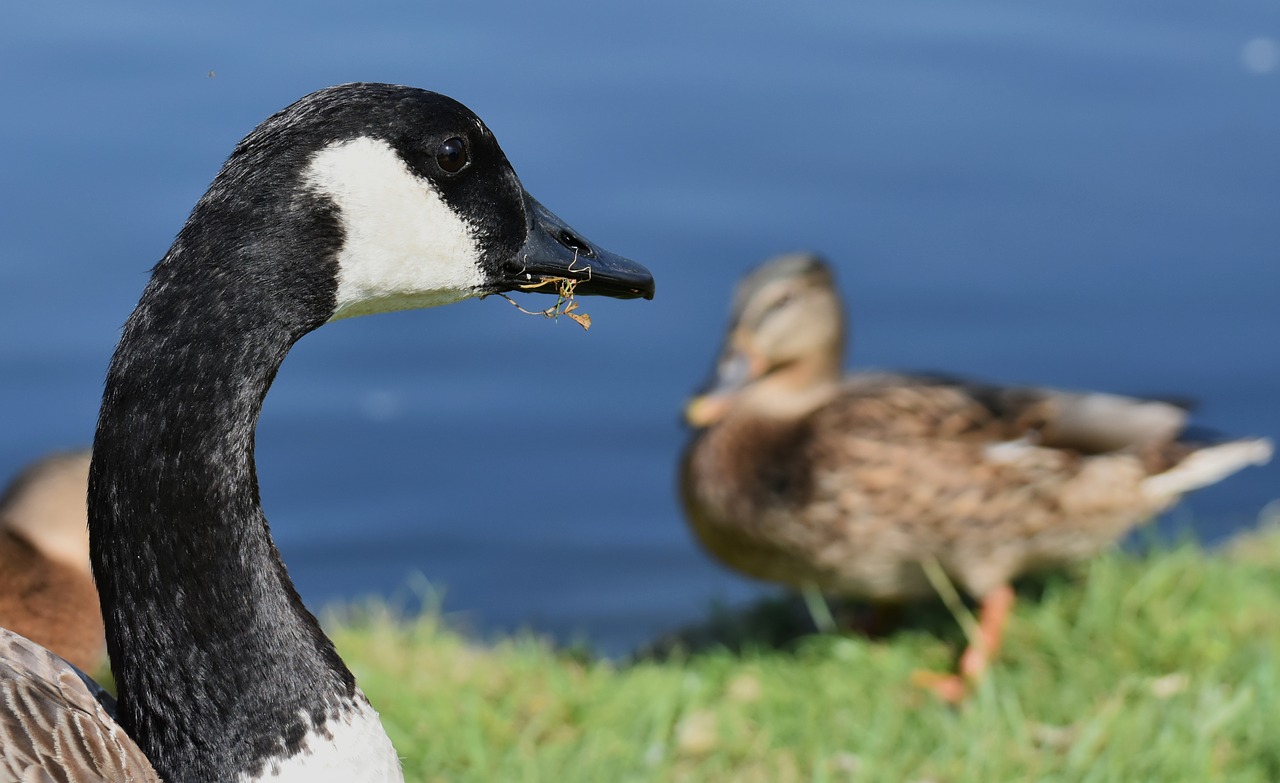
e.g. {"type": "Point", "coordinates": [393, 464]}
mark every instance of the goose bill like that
{"type": "Point", "coordinates": [554, 250]}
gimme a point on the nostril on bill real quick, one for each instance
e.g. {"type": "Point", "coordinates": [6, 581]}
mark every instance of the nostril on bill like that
{"type": "Point", "coordinates": [575, 243]}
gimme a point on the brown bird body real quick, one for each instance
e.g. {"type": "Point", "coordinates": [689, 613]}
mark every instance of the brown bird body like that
{"type": "Point", "coordinates": [855, 485]}
{"type": "Point", "coordinates": [46, 586]}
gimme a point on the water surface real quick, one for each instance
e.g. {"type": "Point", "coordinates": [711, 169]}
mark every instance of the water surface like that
{"type": "Point", "coordinates": [1086, 195]}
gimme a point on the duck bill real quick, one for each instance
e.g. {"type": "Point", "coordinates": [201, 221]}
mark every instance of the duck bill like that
{"type": "Point", "coordinates": [734, 371]}
{"type": "Point", "coordinates": [553, 252]}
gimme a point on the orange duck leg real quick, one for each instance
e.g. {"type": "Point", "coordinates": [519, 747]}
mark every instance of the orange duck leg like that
{"type": "Point", "coordinates": [983, 648]}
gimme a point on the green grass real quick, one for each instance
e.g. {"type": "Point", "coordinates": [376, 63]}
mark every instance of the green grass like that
{"type": "Point", "coordinates": [1156, 668]}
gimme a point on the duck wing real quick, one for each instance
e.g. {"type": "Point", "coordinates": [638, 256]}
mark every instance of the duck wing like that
{"type": "Point", "coordinates": [899, 406]}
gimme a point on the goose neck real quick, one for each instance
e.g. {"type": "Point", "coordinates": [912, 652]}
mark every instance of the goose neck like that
{"type": "Point", "coordinates": [218, 663]}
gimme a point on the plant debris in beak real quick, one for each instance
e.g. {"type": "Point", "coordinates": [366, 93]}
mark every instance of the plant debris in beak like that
{"type": "Point", "coordinates": [565, 303]}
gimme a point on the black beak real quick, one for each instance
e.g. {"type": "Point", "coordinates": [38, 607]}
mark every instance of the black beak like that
{"type": "Point", "coordinates": [554, 250]}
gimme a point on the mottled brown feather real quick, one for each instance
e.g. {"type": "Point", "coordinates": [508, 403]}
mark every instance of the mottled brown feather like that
{"type": "Point", "coordinates": [52, 728]}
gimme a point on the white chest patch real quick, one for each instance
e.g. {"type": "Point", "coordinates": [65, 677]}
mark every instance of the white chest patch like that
{"type": "Point", "coordinates": [354, 749]}
{"type": "Point", "coordinates": [405, 247]}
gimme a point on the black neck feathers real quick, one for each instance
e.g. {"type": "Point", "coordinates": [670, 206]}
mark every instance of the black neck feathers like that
{"type": "Point", "coordinates": [215, 656]}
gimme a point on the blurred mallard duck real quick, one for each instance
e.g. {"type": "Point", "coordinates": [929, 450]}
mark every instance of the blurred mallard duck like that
{"type": "Point", "coordinates": [866, 485]}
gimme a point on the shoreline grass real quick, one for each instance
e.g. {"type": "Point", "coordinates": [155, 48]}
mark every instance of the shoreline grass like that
{"type": "Point", "coordinates": [1160, 667]}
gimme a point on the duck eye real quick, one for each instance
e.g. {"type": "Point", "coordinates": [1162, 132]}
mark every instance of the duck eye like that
{"type": "Point", "coordinates": [777, 304]}
{"type": "Point", "coordinates": [452, 155]}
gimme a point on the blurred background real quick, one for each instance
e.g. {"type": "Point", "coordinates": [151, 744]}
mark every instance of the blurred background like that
{"type": "Point", "coordinates": [1085, 196]}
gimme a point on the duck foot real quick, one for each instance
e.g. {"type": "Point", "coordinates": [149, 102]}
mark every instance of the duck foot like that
{"type": "Point", "coordinates": [994, 612]}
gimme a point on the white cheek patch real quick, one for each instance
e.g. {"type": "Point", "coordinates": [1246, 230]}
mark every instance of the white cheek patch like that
{"type": "Point", "coordinates": [405, 248]}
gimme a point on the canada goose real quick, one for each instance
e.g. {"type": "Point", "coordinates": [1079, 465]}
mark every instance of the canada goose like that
{"type": "Point", "coordinates": [46, 587]}
{"type": "Point", "coordinates": [857, 485]}
{"type": "Point", "coordinates": [356, 199]}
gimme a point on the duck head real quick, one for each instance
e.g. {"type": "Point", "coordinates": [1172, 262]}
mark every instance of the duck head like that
{"type": "Point", "coordinates": [785, 340]}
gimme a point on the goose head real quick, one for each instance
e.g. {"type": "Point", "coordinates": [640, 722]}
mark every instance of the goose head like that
{"type": "Point", "coordinates": [367, 198]}
{"type": "Point", "coordinates": [784, 346]}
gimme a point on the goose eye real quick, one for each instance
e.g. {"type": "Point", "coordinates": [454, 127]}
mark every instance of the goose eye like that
{"type": "Point", "coordinates": [452, 155]}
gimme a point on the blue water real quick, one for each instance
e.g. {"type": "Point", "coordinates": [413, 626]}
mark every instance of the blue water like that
{"type": "Point", "coordinates": [1085, 195]}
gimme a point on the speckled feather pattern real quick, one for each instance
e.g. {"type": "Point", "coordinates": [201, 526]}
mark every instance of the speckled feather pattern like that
{"type": "Point", "coordinates": [53, 729]}
{"type": "Point", "coordinates": [894, 470]}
